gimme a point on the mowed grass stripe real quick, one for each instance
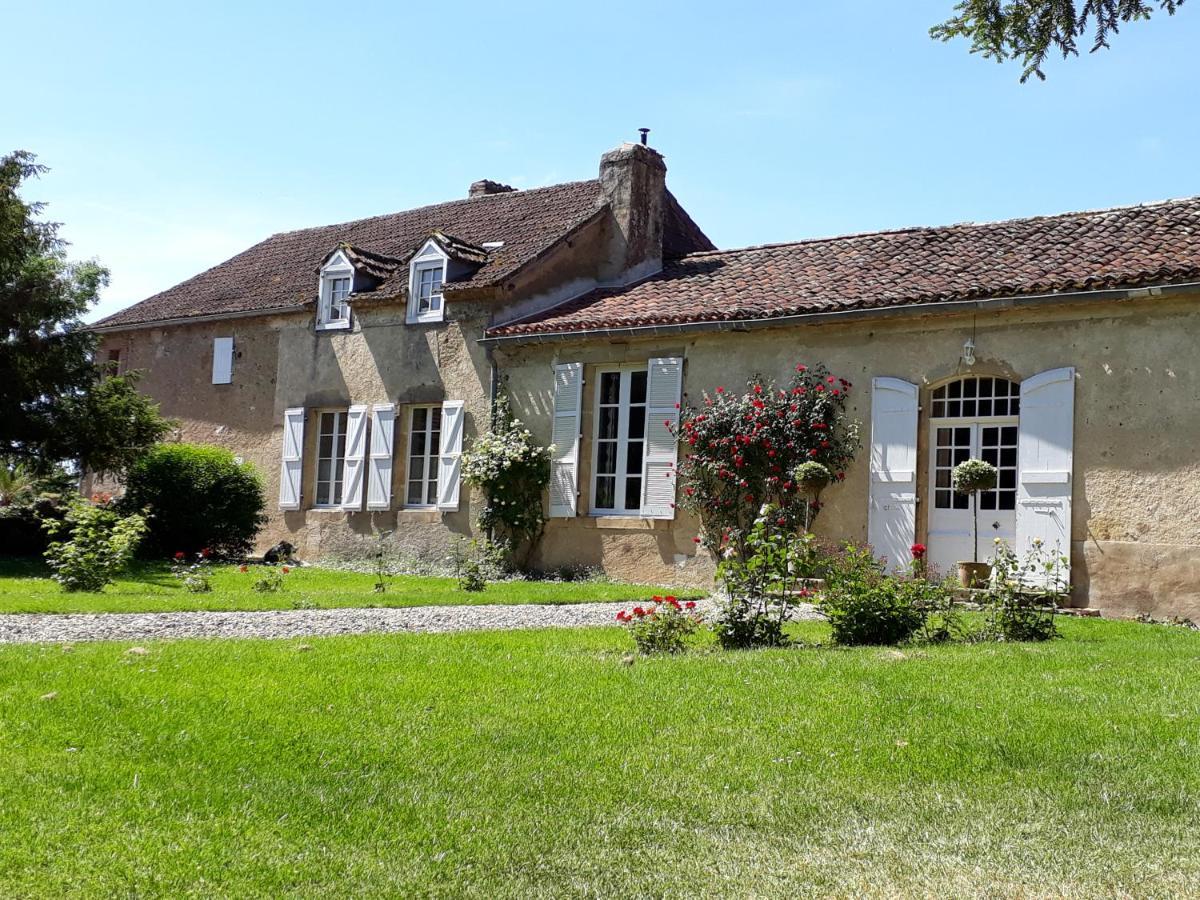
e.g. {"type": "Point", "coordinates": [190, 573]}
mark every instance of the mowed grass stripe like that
{"type": "Point", "coordinates": [25, 587]}
{"type": "Point", "coordinates": [539, 764]}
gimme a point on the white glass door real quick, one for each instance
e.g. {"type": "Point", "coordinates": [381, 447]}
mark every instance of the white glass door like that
{"type": "Point", "coordinates": [951, 535]}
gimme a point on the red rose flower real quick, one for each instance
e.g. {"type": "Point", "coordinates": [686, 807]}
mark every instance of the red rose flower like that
{"type": "Point", "coordinates": [691, 604]}
{"type": "Point", "coordinates": [918, 551]}
{"type": "Point", "coordinates": [243, 568]}
{"type": "Point", "coordinates": [285, 570]}
{"type": "Point", "coordinates": [179, 554]}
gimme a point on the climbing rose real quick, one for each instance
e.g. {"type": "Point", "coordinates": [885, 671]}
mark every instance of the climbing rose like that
{"type": "Point", "coordinates": [918, 551]}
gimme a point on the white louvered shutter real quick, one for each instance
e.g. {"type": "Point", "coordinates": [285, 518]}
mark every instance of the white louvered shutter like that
{"type": "Point", "coordinates": [222, 366]}
{"type": "Point", "coordinates": [379, 464]}
{"type": "Point", "coordinates": [450, 457]}
{"type": "Point", "coordinates": [355, 459]}
{"type": "Point", "coordinates": [892, 509]}
{"type": "Point", "coordinates": [293, 458]}
{"type": "Point", "coordinates": [664, 386]}
{"type": "Point", "coordinates": [1045, 454]}
{"type": "Point", "coordinates": [564, 464]}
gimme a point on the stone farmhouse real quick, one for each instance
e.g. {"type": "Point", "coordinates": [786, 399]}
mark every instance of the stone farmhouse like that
{"type": "Point", "coordinates": [351, 364]}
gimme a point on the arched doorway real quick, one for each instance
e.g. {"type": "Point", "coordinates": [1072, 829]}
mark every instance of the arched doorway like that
{"type": "Point", "coordinates": [972, 417]}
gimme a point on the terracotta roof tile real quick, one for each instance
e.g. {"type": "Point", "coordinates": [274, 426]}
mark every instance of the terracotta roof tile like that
{"type": "Point", "coordinates": [1125, 247]}
{"type": "Point", "coordinates": [280, 272]}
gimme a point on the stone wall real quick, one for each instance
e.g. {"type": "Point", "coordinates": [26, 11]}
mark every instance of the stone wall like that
{"type": "Point", "coordinates": [1136, 485]}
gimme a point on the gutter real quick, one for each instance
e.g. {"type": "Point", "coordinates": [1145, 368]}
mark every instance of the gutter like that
{"type": "Point", "coordinates": [189, 320]}
{"type": "Point", "coordinates": [846, 315]}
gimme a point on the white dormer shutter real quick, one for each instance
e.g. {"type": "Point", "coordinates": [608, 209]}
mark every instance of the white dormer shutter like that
{"type": "Point", "coordinates": [663, 391]}
{"type": "Point", "coordinates": [379, 466]}
{"type": "Point", "coordinates": [356, 451]}
{"type": "Point", "coordinates": [222, 365]}
{"type": "Point", "coordinates": [293, 459]}
{"type": "Point", "coordinates": [564, 435]}
{"type": "Point", "coordinates": [1045, 455]}
{"type": "Point", "coordinates": [892, 509]}
{"type": "Point", "coordinates": [450, 458]}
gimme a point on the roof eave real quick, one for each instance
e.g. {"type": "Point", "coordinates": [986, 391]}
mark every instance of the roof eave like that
{"type": "Point", "coordinates": [911, 309]}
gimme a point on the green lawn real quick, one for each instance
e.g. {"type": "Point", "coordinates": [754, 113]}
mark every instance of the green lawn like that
{"type": "Point", "coordinates": [25, 586]}
{"type": "Point", "coordinates": [530, 764]}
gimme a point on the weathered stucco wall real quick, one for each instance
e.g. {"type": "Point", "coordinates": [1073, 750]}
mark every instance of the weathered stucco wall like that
{"type": "Point", "coordinates": [1136, 486]}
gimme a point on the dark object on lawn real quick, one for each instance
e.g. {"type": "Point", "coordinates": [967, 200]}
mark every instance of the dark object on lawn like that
{"type": "Point", "coordinates": [281, 552]}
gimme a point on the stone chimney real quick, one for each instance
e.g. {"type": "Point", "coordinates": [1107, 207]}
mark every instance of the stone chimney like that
{"type": "Point", "coordinates": [486, 186]}
{"type": "Point", "coordinates": [633, 178]}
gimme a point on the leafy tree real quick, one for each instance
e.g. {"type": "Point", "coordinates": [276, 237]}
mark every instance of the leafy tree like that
{"type": "Point", "coordinates": [1031, 29]}
{"type": "Point", "coordinates": [57, 404]}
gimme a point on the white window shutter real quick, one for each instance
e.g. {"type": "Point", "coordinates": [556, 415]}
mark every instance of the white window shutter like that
{"type": "Point", "coordinates": [356, 451]}
{"type": "Point", "coordinates": [222, 365]}
{"type": "Point", "coordinates": [379, 466]}
{"type": "Point", "coordinates": [664, 387]}
{"type": "Point", "coordinates": [892, 508]}
{"type": "Point", "coordinates": [1045, 452]}
{"type": "Point", "coordinates": [293, 459]}
{"type": "Point", "coordinates": [450, 459]}
{"type": "Point", "coordinates": [564, 435]}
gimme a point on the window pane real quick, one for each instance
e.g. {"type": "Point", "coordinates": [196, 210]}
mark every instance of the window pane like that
{"type": "Point", "coordinates": [633, 493]}
{"type": "Point", "coordinates": [606, 458]}
{"type": "Point", "coordinates": [610, 387]}
{"type": "Point", "coordinates": [606, 492]}
{"type": "Point", "coordinates": [435, 419]}
{"type": "Point", "coordinates": [322, 493]}
{"type": "Point", "coordinates": [418, 418]}
{"type": "Point", "coordinates": [418, 443]}
{"type": "Point", "coordinates": [637, 387]}
{"type": "Point", "coordinates": [987, 500]}
{"type": "Point", "coordinates": [1008, 456]}
{"type": "Point", "coordinates": [608, 423]}
{"type": "Point", "coordinates": [969, 386]}
{"type": "Point", "coordinates": [416, 468]}
{"type": "Point", "coordinates": [637, 423]}
{"type": "Point", "coordinates": [968, 408]}
{"type": "Point", "coordinates": [431, 493]}
{"type": "Point", "coordinates": [985, 387]}
{"type": "Point", "coordinates": [414, 493]}
{"type": "Point", "coordinates": [942, 499]}
{"type": "Point", "coordinates": [633, 458]}
{"type": "Point", "coordinates": [962, 501]}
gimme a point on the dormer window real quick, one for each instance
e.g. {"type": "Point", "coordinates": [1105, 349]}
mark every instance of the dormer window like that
{"type": "Point", "coordinates": [428, 272]}
{"type": "Point", "coordinates": [337, 281]}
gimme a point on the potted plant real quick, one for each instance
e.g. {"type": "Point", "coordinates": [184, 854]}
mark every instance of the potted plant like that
{"type": "Point", "coordinates": [811, 477]}
{"type": "Point", "coordinates": [969, 478]}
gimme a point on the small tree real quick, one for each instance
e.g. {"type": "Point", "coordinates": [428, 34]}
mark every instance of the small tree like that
{"type": "Point", "coordinates": [511, 471]}
{"type": "Point", "coordinates": [969, 478]}
{"type": "Point", "coordinates": [99, 543]}
{"type": "Point", "coordinates": [199, 498]}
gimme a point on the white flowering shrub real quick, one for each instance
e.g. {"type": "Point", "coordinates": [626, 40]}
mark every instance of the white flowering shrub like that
{"type": "Point", "coordinates": [511, 471]}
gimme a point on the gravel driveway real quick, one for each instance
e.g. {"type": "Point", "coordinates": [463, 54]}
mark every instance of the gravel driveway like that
{"type": "Point", "coordinates": [31, 628]}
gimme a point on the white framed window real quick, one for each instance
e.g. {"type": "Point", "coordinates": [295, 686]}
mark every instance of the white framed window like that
{"type": "Point", "coordinates": [619, 441]}
{"type": "Point", "coordinates": [331, 458]}
{"type": "Point", "coordinates": [426, 275]}
{"type": "Point", "coordinates": [424, 446]}
{"type": "Point", "coordinates": [337, 281]}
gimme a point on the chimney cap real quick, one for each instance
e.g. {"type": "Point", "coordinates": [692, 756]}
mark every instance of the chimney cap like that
{"type": "Point", "coordinates": [644, 132]}
{"type": "Point", "coordinates": [487, 186]}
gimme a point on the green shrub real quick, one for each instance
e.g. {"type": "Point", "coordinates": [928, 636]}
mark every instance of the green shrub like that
{"type": "Point", "coordinates": [866, 606]}
{"type": "Point", "coordinates": [99, 545]}
{"type": "Point", "coordinates": [664, 627]}
{"type": "Point", "coordinates": [198, 498]}
{"type": "Point", "coordinates": [765, 582]}
{"type": "Point", "coordinates": [1024, 594]}
{"type": "Point", "coordinates": [271, 580]}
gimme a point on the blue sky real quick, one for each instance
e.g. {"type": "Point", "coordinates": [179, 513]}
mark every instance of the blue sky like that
{"type": "Point", "coordinates": [179, 136]}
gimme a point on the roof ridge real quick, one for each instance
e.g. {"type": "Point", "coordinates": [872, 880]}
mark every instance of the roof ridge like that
{"type": "Point", "coordinates": [483, 198]}
{"type": "Point", "coordinates": [914, 229]}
